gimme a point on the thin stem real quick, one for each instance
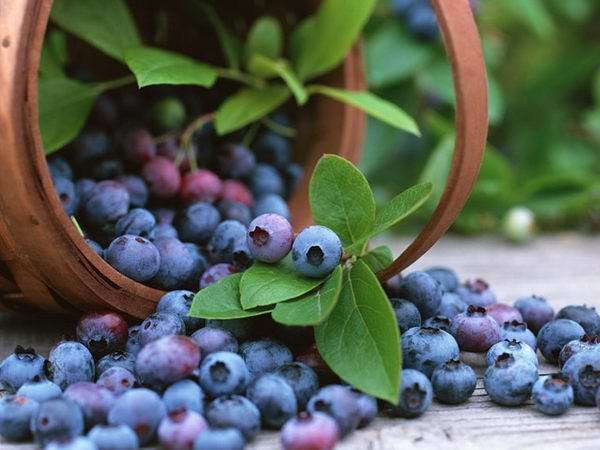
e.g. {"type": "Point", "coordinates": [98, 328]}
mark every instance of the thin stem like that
{"type": "Point", "coordinates": [236, 75]}
{"type": "Point", "coordinates": [191, 157]}
{"type": "Point", "coordinates": [196, 124]}
{"type": "Point", "coordinates": [283, 130]}
{"type": "Point", "coordinates": [116, 83]}
{"type": "Point", "coordinates": [251, 134]}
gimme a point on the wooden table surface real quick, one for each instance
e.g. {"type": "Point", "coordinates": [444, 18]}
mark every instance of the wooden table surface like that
{"type": "Point", "coordinates": [564, 268]}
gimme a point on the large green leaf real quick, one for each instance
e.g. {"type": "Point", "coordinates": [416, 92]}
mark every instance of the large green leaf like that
{"type": "Point", "coordinates": [155, 66]}
{"type": "Point", "coordinates": [64, 105]}
{"type": "Point", "coordinates": [341, 199]}
{"type": "Point", "coordinates": [312, 308]}
{"type": "Point", "coordinates": [105, 24]}
{"type": "Point", "coordinates": [360, 339]}
{"type": "Point", "coordinates": [266, 284]}
{"type": "Point", "coordinates": [264, 38]}
{"type": "Point", "coordinates": [334, 29]}
{"type": "Point", "coordinates": [222, 301]}
{"type": "Point", "coordinates": [371, 104]}
{"type": "Point", "coordinates": [247, 106]}
{"type": "Point", "coordinates": [264, 65]}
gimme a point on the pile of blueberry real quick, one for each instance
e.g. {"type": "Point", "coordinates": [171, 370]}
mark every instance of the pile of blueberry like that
{"type": "Point", "coordinates": [164, 215]}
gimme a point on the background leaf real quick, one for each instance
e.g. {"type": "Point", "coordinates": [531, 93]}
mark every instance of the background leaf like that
{"type": "Point", "coordinates": [379, 258]}
{"type": "Point", "coordinates": [247, 106]}
{"type": "Point", "coordinates": [105, 24]}
{"type": "Point", "coordinates": [266, 284]}
{"type": "Point", "coordinates": [155, 66]}
{"type": "Point", "coordinates": [371, 104]}
{"type": "Point", "coordinates": [222, 301]}
{"type": "Point", "coordinates": [263, 64]}
{"type": "Point", "coordinates": [230, 43]}
{"type": "Point", "coordinates": [336, 27]}
{"type": "Point", "coordinates": [360, 340]}
{"type": "Point", "coordinates": [341, 199]}
{"type": "Point", "coordinates": [312, 308]}
{"type": "Point", "coordinates": [54, 55]}
{"type": "Point", "coordinates": [264, 38]}
{"type": "Point", "coordinates": [437, 169]}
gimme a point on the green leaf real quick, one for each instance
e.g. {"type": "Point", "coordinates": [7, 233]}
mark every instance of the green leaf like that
{"type": "Point", "coordinates": [371, 104]}
{"type": "Point", "coordinates": [267, 284]}
{"type": "Point", "coordinates": [379, 258]}
{"type": "Point", "coordinates": [312, 308]}
{"type": "Point", "coordinates": [341, 199]}
{"type": "Point", "coordinates": [64, 105]}
{"type": "Point", "coordinates": [401, 206]}
{"type": "Point", "coordinates": [360, 339]}
{"type": "Point", "coordinates": [247, 106]}
{"type": "Point", "coordinates": [264, 38]}
{"type": "Point", "coordinates": [325, 41]}
{"type": "Point", "coordinates": [263, 64]}
{"type": "Point", "coordinates": [105, 24]}
{"type": "Point", "coordinates": [231, 44]}
{"type": "Point", "coordinates": [155, 66]}
{"type": "Point", "coordinates": [54, 55]}
{"type": "Point", "coordinates": [222, 301]}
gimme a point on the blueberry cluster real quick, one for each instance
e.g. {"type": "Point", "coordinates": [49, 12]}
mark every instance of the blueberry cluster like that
{"type": "Point", "coordinates": [166, 210]}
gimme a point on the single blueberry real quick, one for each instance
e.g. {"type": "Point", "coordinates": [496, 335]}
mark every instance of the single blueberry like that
{"type": "Point", "coordinates": [198, 222]}
{"type": "Point", "coordinates": [552, 394]}
{"type": "Point", "coordinates": [474, 330]}
{"type": "Point", "coordinates": [424, 349]}
{"type": "Point", "coordinates": [585, 316]}
{"type": "Point", "coordinates": [184, 394]}
{"type": "Point", "coordinates": [270, 237]}
{"type": "Point", "coordinates": [535, 311]}
{"type": "Point", "coordinates": [134, 256]}
{"type": "Point", "coordinates": [59, 167]}
{"type": "Point", "coordinates": [407, 314]}
{"type": "Point", "coordinates": [176, 264]}
{"type": "Point", "coordinates": [16, 412]}
{"type": "Point", "coordinates": [57, 419]}
{"type": "Point", "coordinates": [102, 332]}
{"type": "Point", "coordinates": [415, 396]}
{"type": "Point", "coordinates": [69, 363]}
{"type": "Point", "coordinates": [509, 380]}
{"type": "Point", "coordinates": [223, 373]}
{"type": "Point", "coordinates": [453, 382]}
{"type": "Point", "coordinates": [555, 334]}
{"type": "Point", "coordinates": [316, 251]}
{"type": "Point", "coordinates": [513, 347]}
{"type": "Point", "coordinates": [137, 222]}
{"type": "Point", "coordinates": [179, 429]}
{"type": "Point", "coordinates": [264, 356]}
{"type": "Point", "coordinates": [274, 398]}
{"type": "Point", "coordinates": [583, 371]}
{"type": "Point", "coordinates": [163, 230]}
{"type": "Point", "coordinates": [107, 202]}
{"type": "Point", "coordinates": [234, 411]}
{"type": "Point", "coordinates": [223, 240]}
{"type": "Point", "coordinates": [519, 331]}
{"type": "Point", "coordinates": [76, 443]}
{"type": "Point", "coordinates": [21, 366]}
{"type": "Point", "coordinates": [303, 380]}
{"type": "Point", "coordinates": [137, 189]}
{"type": "Point", "coordinates": [314, 430]}
{"type": "Point", "coordinates": [424, 291]}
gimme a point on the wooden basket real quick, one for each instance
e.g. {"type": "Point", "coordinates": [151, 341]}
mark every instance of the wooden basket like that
{"type": "Point", "coordinates": [46, 266]}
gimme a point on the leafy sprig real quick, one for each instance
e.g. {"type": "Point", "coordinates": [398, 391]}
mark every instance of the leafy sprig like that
{"type": "Point", "coordinates": [355, 327]}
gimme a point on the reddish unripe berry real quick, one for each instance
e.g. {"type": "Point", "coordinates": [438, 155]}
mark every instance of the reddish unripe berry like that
{"type": "Point", "coordinates": [237, 192]}
{"type": "Point", "coordinates": [162, 177]}
{"type": "Point", "coordinates": [474, 330]}
{"type": "Point", "coordinates": [139, 146]}
{"type": "Point", "coordinates": [216, 273]}
{"type": "Point", "coordinates": [201, 186]}
{"type": "Point", "coordinates": [502, 312]}
{"type": "Point", "coordinates": [102, 332]}
{"type": "Point", "coordinates": [179, 429]}
{"type": "Point", "coordinates": [314, 431]}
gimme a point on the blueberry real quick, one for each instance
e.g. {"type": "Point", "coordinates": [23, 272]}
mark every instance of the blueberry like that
{"type": "Point", "coordinates": [445, 276]}
{"type": "Point", "coordinates": [163, 230]}
{"type": "Point", "coordinates": [162, 177]}
{"type": "Point", "coordinates": [476, 293]}
{"type": "Point", "coordinates": [67, 194]}
{"type": "Point", "coordinates": [232, 210]}
{"type": "Point", "coordinates": [265, 179]}
{"type": "Point", "coordinates": [179, 429]}
{"type": "Point", "coordinates": [440, 322]}
{"type": "Point", "coordinates": [134, 256]}
{"type": "Point", "coordinates": [303, 380]}
{"type": "Point", "coordinates": [168, 114]}
{"type": "Point", "coordinates": [367, 407]}
{"type": "Point", "coordinates": [509, 380]}
{"type": "Point", "coordinates": [139, 147]}
{"type": "Point", "coordinates": [158, 325]}
{"type": "Point", "coordinates": [270, 237]}
{"type": "Point", "coordinates": [274, 398]}
{"type": "Point", "coordinates": [69, 363]}
{"type": "Point", "coordinates": [198, 222]}
{"type": "Point", "coordinates": [271, 204]}
{"type": "Point", "coordinates": [585, 316]}
{"type": "Point", "coordinates": [220, 439]}
{"type": "Point", "coordinates": [453, 382]}
{"type": "Point", "coordinates": [422, 21]}
{"type": "Point", "coordinates": [167, 360]}
{"type": "Point", "coordinates": [96, 248]}
{"type": "Point", "coordinates": [179, 303]}
{"type": "Point", "coordinates": [56, 419]}
{"type": "Point", "coordinates": [519, 331]}
{"type": "Point", "coordinates": [415, 396]}
{"type": "Point", "coordinates": [94, 401]}
{"type": "Point", "coordinates": [392, 286]}
{"type": "Point", "coordinates": [316, 251]}
{"type": "Point", "coordinates": [107, 169]}
{"type": "Point", "coordinates": [240, 254]}
{"type": "Point", "coordinates": [176, 264]}
{"type": "Point", "coordinates": [119, 358]}
{"type": "Point", "coordinates": [77, 443]}
{"type": "Point", "coordinates": [555, 334]}
{"type": "Point", "coordinates": [552, 394]}
{"type": "Point", "coordinates": [216, 273]}
{"type": "Point", "coordinates": [577, 345]}
{"type": "Point", "coordinates": [274, 149]}
{"type": "Point", "coordinates": [451, 305]}
{"type": "Point", "coordinates": [117, 380]}
{"type": "Point", "coordinates": [315, 431]}
{"type": "Point", "coordinates": [213, 339]}
{"type": "Point", "coordinates": [201, 186]}
{"type": "Point", "coordinates": [59, 167]}
{"type": "Point", "coordinates": [102, 332]}
{"type": "Point", "coordinates": [235, 161]}
{"type": "Point", "coordinates": [474, 330]}
{"type": "Point", "coordinates": [90, 146]}
{"type": "Point", "coordinates": [40, 390]}
{"type": "Point", "coordinates": [107, 202]}
{"type": "Point", "coordinates": [142, 410]}
{"type": "Point", "coordinates": [424, 291]}
{"type": "Point", "coordinates": [137, 189]}
{"type": "Point", "coordinates": [407, 314]}
{"type": "Point", "coordinates": [200, 264]}
{"type": "Point", "coordinates": [236, 191]}
{"type": "Point", "coordinates": [137, 222]}
{"type": "Point", "coordinates": [84, 188]}
{"type": "Point", "coordinates": [264, 356]}
{"type": "Point", "coordinates": [133, 345]}
{"type": "Point", "coordinates": [223, 373]}
{"type": "Point", "coordinates": [20, 367]}
{"type": "Point", "coordinates": [513, 347]}
{"type": "Point", "coordinates": [583, 370]}
{"type": "Point", "coordinates": [234, 411]}
{"type": "Point", "coordinates": [114, 437]}
{"type": "Point", "coordinates": [16, 412]}
{"type": "Point", "coordinates": [535, 311]}
{"type": "Point", "coordinates": [504, 313]}
{"type": "Point", "coordinates": [164, 215]}
{"type": "Point", "coordinates": [424, 349]}
{"type": "Point", "coordinates": [184, 394]}
{"type": "Point", "coordinates": [222, 243]}
{"type": "Point", "coordinates": [292, 174]}
{"type": "Point", "coordinates": [338, 402]}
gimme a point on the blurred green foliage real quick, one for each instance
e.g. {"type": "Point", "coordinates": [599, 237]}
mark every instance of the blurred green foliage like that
{"type": "Point", "coordinates": [543, 62]}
